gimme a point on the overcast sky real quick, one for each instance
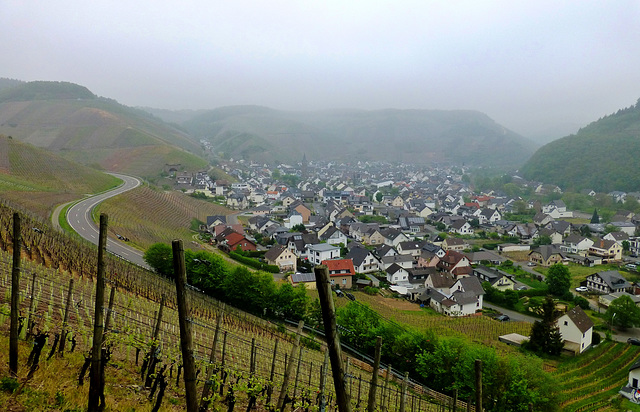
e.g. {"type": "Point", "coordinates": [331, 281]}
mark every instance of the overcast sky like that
{"type": "Point", "coordinates": [530, 65]}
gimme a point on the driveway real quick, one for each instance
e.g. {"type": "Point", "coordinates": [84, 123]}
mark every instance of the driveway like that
{"type": "Point", "coordinates": [513, 315]}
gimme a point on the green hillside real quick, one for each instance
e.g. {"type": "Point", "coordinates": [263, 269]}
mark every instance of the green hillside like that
{"type": "Point", "coordinates": [71, 121]}
{"type": "Point", "coordinates": [418, 136]}
{"type": "Point", "coordinates": [603, 156]}
{"type": "Point", "coordinates": [38, 180]}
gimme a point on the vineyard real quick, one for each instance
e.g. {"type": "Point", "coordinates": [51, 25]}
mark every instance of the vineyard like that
{"type": "Point", "coordinates": [147, 216]}
{"type": "Point", "coordinates": [49, 179]}
{"type": "Point", "coordinates": [588, 382]}
{"type": "Point", "coordinates": [250, 356]}
{"type": "Point", "coordinates": [250, 359]}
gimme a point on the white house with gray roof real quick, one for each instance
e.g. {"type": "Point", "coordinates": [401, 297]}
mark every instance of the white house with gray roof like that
{"type": "Point", "coordinates": [606, 282]}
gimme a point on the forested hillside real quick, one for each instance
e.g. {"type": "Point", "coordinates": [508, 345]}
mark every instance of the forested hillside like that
{"type": "Point", "coordinates": [411, 136]}
{"type": "Point", "coordinates": [603, 156]}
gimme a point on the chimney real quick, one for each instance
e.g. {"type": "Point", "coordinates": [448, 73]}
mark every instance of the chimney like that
{"type": "Point", "coordinates": [601, 243]}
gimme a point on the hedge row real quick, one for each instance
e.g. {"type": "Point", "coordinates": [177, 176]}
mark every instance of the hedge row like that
{"type": "Point", "coordinates": [254, 263]}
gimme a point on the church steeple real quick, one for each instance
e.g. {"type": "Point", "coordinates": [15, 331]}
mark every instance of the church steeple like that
{"type": "Point", "coordinates": [304, 165]}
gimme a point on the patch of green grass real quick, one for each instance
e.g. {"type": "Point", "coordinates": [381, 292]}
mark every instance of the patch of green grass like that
{"type": "Point", "coordinates": [62, 219]}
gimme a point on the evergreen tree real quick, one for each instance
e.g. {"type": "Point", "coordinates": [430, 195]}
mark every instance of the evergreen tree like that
{"type": "Point", "coordinates": [595, 218]}
{"type": "Point", "coordinates": [545, 334]}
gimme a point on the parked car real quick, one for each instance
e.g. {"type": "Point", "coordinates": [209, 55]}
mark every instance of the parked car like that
{"type": "Point", "coordinates": [633, 341]}
{"type": "Point", "coordinates": [582, 289]}
{"type": "Point", "coordinates": [350, 296]}
{"type": "Point", "coordinates": [531, 264]}
{"type": "Point", "coordinates": [523, 287]}
{"type": "Point", "coordinates": [503, 318]}
{"type": "Point", "coordinates": [339, 293]}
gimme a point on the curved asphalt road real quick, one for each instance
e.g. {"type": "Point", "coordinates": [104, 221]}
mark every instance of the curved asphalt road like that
{"type": "Point", "coordinates": [79, 218]}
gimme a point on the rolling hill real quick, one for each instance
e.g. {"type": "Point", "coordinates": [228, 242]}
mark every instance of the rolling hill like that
{"type": "Point", "coordinates": [37, 179]}
{"type": "Point", "coordinates": [417, 136]}
{"type": "Point", "coordinates": [70, 120]}
{"type": "Point", "coordinates": [603, 156]}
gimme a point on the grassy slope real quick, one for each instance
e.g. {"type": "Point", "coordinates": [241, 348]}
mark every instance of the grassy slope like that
{"type": "Point", "coordinates": [148, 216]}
{"type": "Point", "coordinates": [94, 131]}
{"type": "Point", "coordinates": [38, 180]}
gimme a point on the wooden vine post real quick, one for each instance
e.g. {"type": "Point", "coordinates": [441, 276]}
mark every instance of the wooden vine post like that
{"type": "Point", "coordinates": [63, 334]}
{"type": "Point", "coordinates": [186, 340]}
{"type": "Point", "coordinates": [15, 298]}
{"type": "Point", "coordinates": [96, 384]}
{"type": "Point", "coordinates": [333, 341]}
{"type": "Point", "coordinates": [289, 369]}
{"type": "Point", "coordinates": [373, 387]}
{"type": "Point", "coordinates": [107, 321]}
{"type": "Point", "coordinates": [478, 385]}
{"type": "Point", "coordinates": [204, 401]}
{"type": "Point", "coordinates": [31, 305]}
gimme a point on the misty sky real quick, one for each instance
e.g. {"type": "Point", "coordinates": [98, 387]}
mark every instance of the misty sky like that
{"type": "Point", "coordinates": [532, 66]}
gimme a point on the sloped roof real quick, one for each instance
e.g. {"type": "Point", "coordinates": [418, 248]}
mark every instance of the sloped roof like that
{"type": "Point", "coordinates": [357, 255]}
{"type": "Point", "coordinates": [275, 251]}
{"type": "Point", "coordinates": [580, 319]}
{"type": "Point", "coordinates": [340, 265]}
{"type": "Point", "coordinates": [613, 279]}
{"type": "Point", "coordinates": [441, 280]}
{"type": "Point", "coordinates": [471, 284]}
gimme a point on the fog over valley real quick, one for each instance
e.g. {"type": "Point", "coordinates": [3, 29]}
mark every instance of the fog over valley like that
{"type": "Point", "coordinates": [542, 69]}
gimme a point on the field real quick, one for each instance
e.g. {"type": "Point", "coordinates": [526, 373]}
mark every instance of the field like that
{"type": "Point", "coordinates": [590, 381]}
{"type": "Point", "coordinates": [479, 329]}
{"type": "Point", "coordinates": [147, 216]}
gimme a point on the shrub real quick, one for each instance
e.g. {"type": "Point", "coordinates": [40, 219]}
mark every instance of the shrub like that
{"type": "Point", "coordinates": [370, 290]}
{"type": "Point", "coordinates": [595, 338]}
{"type": "Point", "coordinates": [582, 302]}
{"type": "Point", "coordinates": [9, 384]}
{"type": "Point", "coordinates": [254, 263]}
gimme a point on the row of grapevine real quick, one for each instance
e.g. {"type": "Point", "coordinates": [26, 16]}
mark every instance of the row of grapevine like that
{"type": "Point", "coordinates": [245, 361]}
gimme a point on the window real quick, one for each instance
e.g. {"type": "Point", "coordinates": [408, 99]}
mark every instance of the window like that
{"type": "Point", "coordinates": [566, 323]}
{"type": "Point", "coordinates": [344, 281]}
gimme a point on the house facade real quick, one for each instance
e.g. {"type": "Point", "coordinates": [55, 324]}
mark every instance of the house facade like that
{"type": "Point", "coordinates": [341, 272]}
{"type": "Point", "coordinates": [576, 329]}
{"type": "Point", "coordinates": [282, 257]}
{"type": "Point", "coordinates": [546, 255]}
{"type": "Point", "coordinates": [609, 281]}
{"type": "Point", "coordinates": [322, 251]}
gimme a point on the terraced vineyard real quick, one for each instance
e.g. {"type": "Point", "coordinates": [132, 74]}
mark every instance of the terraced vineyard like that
{"type": "Point", "coordinates": [148, 216]}
{"type": "Point", "coordinates": [588, 382]}
{"type": "Point", "coordinates": [251, 354]}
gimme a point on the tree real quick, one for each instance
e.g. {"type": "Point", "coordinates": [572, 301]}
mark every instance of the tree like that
{"type": "Point", "coordinates": [545, 334]}
{"type": "Point", "coordinates": [585, 231]}
{"type": "Point", "coordinates": [558, 279]}
{"type": "Point", "coordinates": [542, 240]}
{"type": "Point", "coordinates": [626, 245]}
{"type": "Point", "coordinates": [595, 218]}
{"type": "Point", "coordinates": [298, 228]}
{"type": "Point", "coordinates": [623, 312]}
{"type": "Point", "coordinates": [379, 197]}
{"type": "Point", "coordinates": [160, 257]}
